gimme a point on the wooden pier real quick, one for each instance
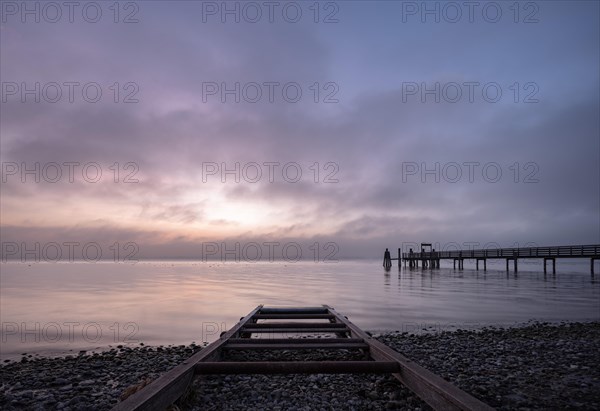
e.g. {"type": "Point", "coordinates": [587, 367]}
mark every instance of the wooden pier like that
{"type": "Point", "coordinates": [378, 358]}
{"type": "Point", "coordinates": [431, 259]}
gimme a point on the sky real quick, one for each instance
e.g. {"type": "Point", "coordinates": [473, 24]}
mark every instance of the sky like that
{"type": "Point", "coordinates": [256, 130]}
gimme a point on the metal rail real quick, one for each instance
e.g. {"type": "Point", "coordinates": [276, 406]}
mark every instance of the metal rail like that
{"type": "Point", "coordinates": [434, 390]}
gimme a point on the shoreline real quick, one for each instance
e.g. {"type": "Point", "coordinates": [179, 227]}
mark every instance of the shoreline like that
{"type": "Point", "coordinates": [533, 366]}
{"type": "Point", "coordinates": [411, 328]}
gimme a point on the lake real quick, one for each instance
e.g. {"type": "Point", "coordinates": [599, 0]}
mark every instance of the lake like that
{"type": "Point", "coordinates": [58, 308]}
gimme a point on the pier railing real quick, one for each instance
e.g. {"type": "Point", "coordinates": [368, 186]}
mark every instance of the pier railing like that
{"type": "Point", "coordinates": [569, 251]}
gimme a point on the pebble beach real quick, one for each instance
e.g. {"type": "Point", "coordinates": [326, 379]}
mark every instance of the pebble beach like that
{"type": "Point", "coordinates": [537, 366]}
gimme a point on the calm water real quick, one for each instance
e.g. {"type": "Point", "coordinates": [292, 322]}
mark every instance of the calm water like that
{"type": "Point", "coordinates": [53, 308]}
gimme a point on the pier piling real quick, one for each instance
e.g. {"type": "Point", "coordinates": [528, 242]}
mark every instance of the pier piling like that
{"type": "Point", "coordinates": [553, 264]}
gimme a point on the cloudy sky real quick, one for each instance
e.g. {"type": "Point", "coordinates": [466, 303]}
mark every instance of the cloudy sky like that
{"type": "Point", "coordinates": [365, 124]}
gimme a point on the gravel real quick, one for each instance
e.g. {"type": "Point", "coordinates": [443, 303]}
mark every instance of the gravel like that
{"type": "Point", "coordinates": [301, 392]}
{"type": "Point", "coordinates": [86, 381]}
{"type": "Point", "coordinates": [534, 367]}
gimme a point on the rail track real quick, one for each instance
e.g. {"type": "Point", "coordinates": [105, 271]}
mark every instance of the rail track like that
{"type": "Point", "coordinates": [344, 335]}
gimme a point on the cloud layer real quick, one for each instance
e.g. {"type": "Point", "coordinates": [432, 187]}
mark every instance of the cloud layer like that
{"type": "Point", "coordinates": [366, 158]}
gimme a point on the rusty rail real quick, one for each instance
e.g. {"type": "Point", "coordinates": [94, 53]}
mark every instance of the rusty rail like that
{"type": "Point", "coordinates": [379, 358]}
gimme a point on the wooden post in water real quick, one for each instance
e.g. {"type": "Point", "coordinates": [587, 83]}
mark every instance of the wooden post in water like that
{"type": "Point", "coordinates": [553, 264]}
{"type": "Point", "coordinates": [387, 259]}
{"type": "Point", "coordinates": [514, 259]}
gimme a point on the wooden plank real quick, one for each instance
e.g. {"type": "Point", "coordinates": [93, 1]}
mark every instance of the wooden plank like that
{"type": "Point", "coordinates": [295, 325]}
{"type": "Point", "coordinates": [294, 340]}
{"type": "Point", "coordinates": [293, 310]}
{"type": "Point", "coordinates": [293, 316]}
{"type": "Point", "coordinates": [295, 330]}
{"type": "Point", "coordinates": [165, 390]}
{"type": "Point", "coordinates": [297, 367]}
{"type": "Point", "coordinates": [313, 346]}
{"type": "Point", "coordinates": [434, 390]}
